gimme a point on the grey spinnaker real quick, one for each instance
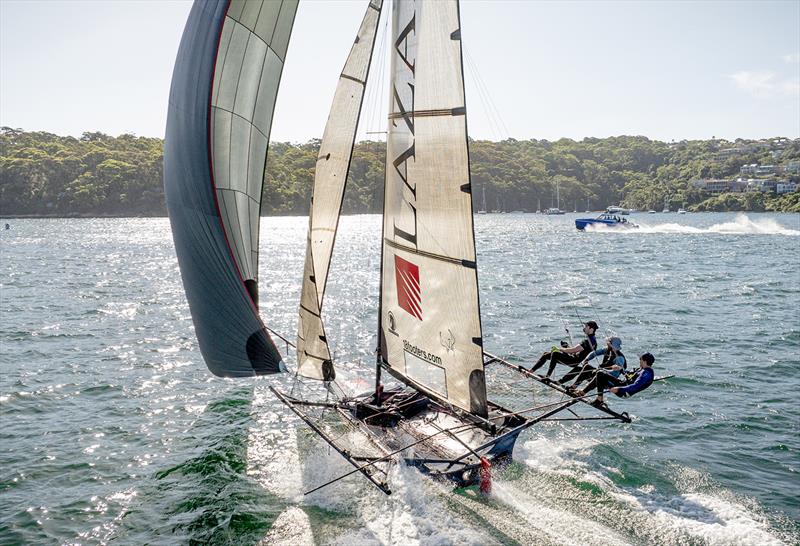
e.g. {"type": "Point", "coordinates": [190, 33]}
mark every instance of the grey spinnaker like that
{"type": "Point", "coordinates": [221, 102]}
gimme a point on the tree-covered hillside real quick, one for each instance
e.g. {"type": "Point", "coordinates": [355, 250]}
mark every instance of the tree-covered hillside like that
{"type": "Point", "coordinates": [96, 174]}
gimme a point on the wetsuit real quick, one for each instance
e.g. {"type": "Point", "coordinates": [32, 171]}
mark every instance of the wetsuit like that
{"type": "Point", "coordinates": [641, 379]}
{"type": "Point", "coordinates": [587, 346]}
{"type": "Point", "coordinates": [610, 358]}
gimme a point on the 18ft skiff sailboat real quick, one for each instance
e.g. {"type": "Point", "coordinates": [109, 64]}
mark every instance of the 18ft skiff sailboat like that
{"type": "Point", "coordinates": [430, 339]}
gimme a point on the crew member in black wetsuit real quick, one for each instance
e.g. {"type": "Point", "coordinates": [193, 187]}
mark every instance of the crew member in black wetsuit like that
{"type": "Point", "coordinates": [613, 363]}
{"type": "Point", "coordinates": [571, 356]}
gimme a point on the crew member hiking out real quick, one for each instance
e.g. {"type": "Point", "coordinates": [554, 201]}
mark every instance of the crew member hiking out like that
{"type": "Point", "coordinates": [625, 385]}
{"type": "Point", "coordinates": [613, 363]}
{"type": "Point", "coordinates": [571, 356]}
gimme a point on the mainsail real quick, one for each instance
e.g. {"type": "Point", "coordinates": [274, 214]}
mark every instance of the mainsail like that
{"type": "Point", "coordinates": [333, 163]}
{"type": "Point", "coordinates": [221, 102]}
{"type": "Point", "coordinates": [430, 329]}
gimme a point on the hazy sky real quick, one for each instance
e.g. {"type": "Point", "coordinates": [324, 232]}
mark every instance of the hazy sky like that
{"type": "Point", "coordinates": [666, 70]}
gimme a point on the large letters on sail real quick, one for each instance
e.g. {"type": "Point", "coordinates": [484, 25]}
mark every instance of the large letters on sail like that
{"type": "Point", "coordinates": [430, 332]}
{"type": "Point", "coordinates": [220, 113]}
{"type": "Point", "coordinates": [333, 162]}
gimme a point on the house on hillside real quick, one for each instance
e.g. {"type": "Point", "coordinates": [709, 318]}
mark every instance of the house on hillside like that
{"type": "Point", "coordinates": [764, 185]}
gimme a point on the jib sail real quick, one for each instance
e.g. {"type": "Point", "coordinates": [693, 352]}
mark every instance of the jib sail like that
{"type": "Point", "coordinates": [333, 164]}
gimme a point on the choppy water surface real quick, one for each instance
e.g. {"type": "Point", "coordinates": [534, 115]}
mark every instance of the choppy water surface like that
{"type": "Point", "coordinates": [113, 430]}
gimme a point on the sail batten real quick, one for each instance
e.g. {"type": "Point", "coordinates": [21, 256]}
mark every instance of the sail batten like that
{"type": "Point", "coordinates": [223, 93]}
{"type": "Point", "coordinates": [430, 331]}
{"type": "Point", "coordinates": [333, 163]}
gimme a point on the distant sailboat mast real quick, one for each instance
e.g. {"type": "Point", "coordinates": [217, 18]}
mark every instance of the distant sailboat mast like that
{"type": "Point", "coordinates": [333, 163]}
{"type": "Point", "coordinates": [483, 200]}
{"type": "Point", "coordinates": [558, 196]}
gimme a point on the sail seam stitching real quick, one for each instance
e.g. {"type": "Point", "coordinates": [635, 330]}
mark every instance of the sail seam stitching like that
{"type": "Point", "coordinates": [351, 78]}
{"type": "Point", "coordinates": [457, 261]}
{"type": "Point", "coordinates": [238, 191]}
{"type": "Point", "coordinates": [307, 310]}
{"type": "Point", "coordinates": [249, 122]}
{"type": "Point", "coordinates": [458, 111]}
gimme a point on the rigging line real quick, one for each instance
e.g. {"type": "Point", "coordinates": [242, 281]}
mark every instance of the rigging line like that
{"type": "Point", "coordinates": [542, 407]}
{"type": "Point", "coordinates": [498, 115]}
{"type": "Point", "coordinates": [376, 87]}
{"type": "Point", "coordinates": [390, 455]}
{"type": "Point", "coordinates": [369, 91]}
{"type": "Point", "coordinates": [567, 329]}
{"type": "Point", "coordinates": [581, 322]}
{"type": "Point", "coordinates": [493, 126]}
{"type": "Point", "coordinates": [471, 70]}
{"type": "Point", "coordinates": [486, 100]}
{"type": "Point", "coordinates": [377, 93]}
{"type": "Point", "coordinates": [292, 345]}
{"type": "Point", "coordinates": [488, 94]}
{"type": "Point", "coordinates": [457, 439]}
{"type": "Point", "coordinates": [385, 60]}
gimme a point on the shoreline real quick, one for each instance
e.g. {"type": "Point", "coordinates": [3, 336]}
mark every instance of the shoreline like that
{"type": "Point", "coordinates": [89, 216]}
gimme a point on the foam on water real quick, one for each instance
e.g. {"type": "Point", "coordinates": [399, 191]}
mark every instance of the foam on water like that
{"type": "Point", "coordinates": [292, 526]}
{"type": "Point", "coordinates": [555, 523]}
{"type": "Point", "coordinates": [706, 518]}
{"type": "Point", "coordinates": [414, 514]}
{"type": "Point", "coordinates": [699, 513]}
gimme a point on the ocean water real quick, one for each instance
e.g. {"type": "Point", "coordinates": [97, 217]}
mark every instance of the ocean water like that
{"type": "Point", "coordinates": [113, 431]}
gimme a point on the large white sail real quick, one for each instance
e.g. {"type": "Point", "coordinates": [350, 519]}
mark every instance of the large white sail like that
{"type": "Point", "coordinates": [430, 330]}
{"type": "Point", "coordinates": [333, 163]}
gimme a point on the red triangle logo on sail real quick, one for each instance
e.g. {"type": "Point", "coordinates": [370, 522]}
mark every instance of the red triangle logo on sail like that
{"type": "Point", "coordinates": [408, 291]}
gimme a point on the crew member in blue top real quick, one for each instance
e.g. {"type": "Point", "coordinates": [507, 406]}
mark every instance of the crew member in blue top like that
{"type": "Point", "coordinates": [571, 356]}
{"type": "Point", "coordinates": [613, 363]}
{"type": "Point", "coordinates": [623, 386]}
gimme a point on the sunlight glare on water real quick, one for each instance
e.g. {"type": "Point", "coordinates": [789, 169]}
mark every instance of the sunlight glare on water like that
{"type": "Point", "coordinates": [114, 431]}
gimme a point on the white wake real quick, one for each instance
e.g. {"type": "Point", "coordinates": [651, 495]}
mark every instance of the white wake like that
{"type": "Point", "coordinates": [741, 225]}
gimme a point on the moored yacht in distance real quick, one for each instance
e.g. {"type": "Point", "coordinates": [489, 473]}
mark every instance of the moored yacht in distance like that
{"type": "Point", "coordinates": [554, 210]}
{"type": "Point", "coordinates": [618, 210]}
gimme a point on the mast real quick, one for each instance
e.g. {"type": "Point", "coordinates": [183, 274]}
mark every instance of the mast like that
{"type": "Point", "coordinates": [429, 325]}
{"type": "Point", "coordinates": [221, 102]}
{"type": "Point", "coordinates": [558, 196]}
{"type": "Point", "coordinates": [333, 164]}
